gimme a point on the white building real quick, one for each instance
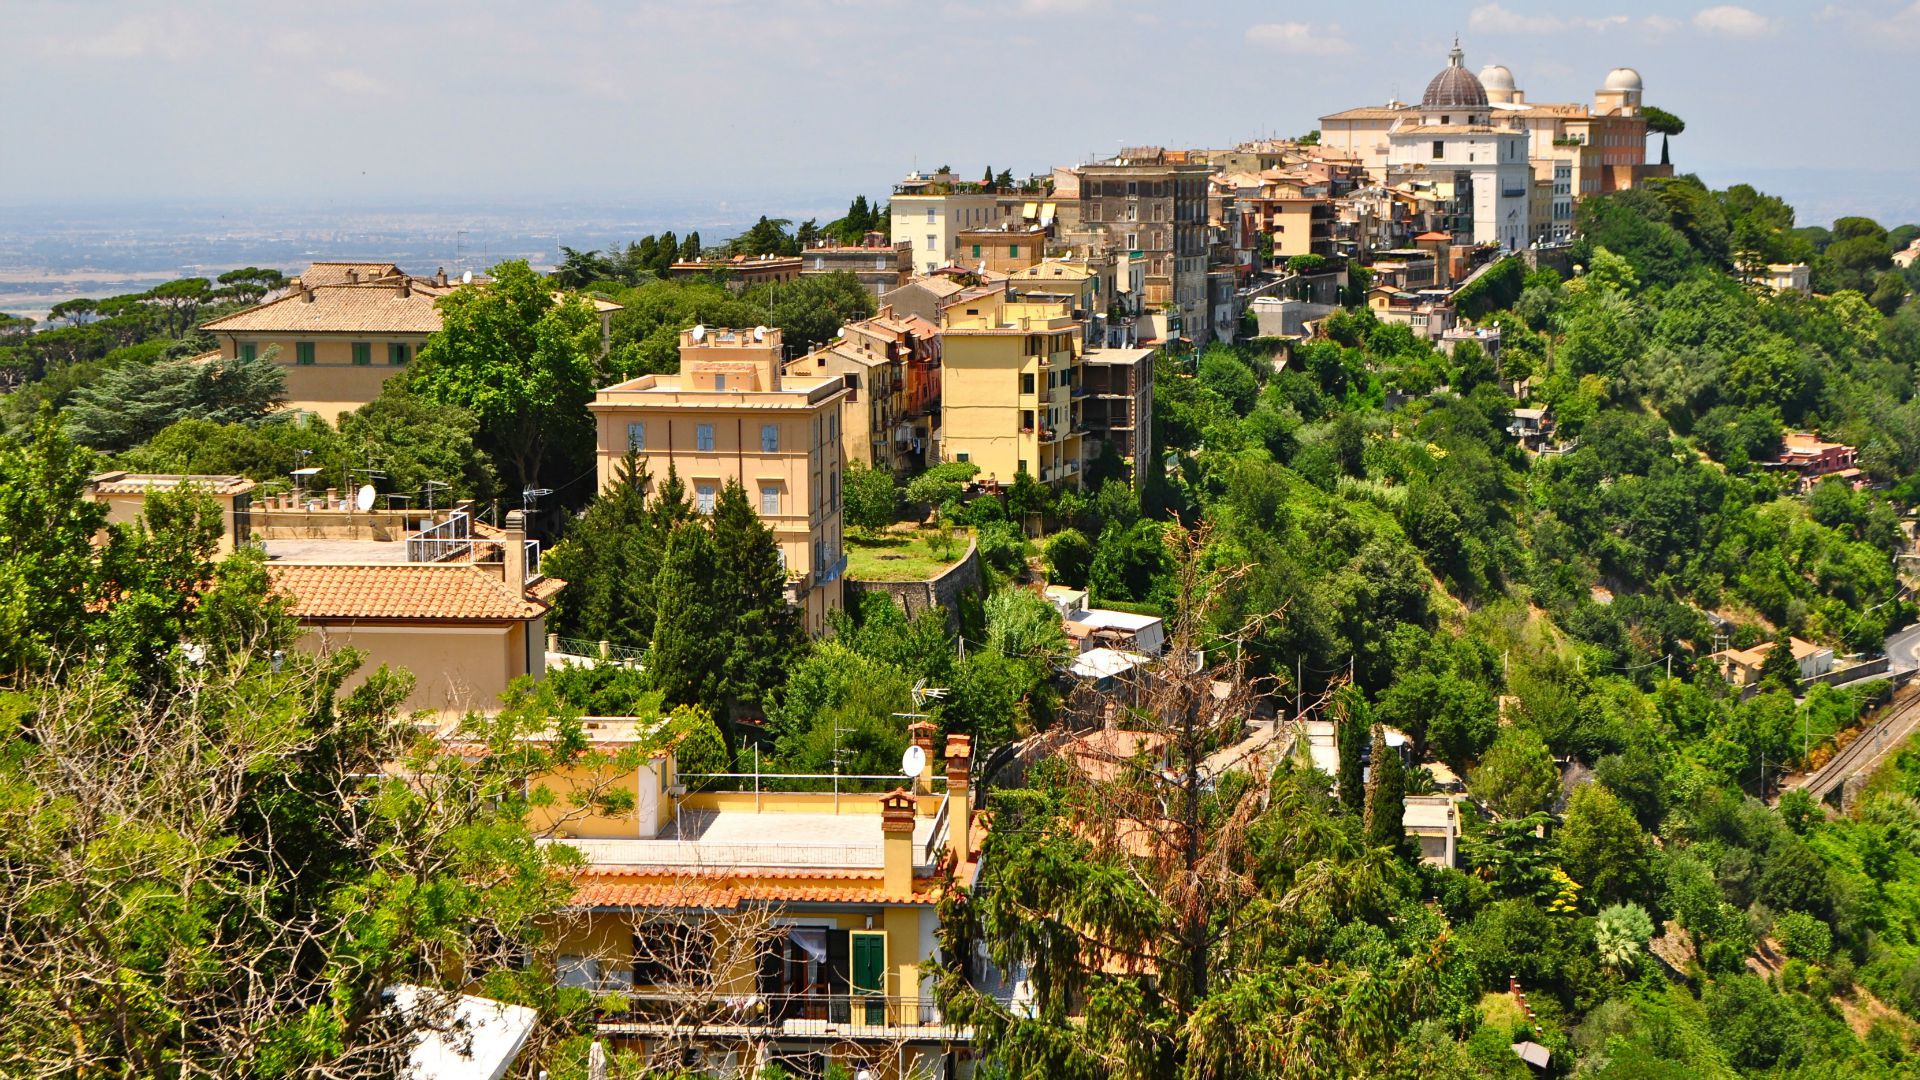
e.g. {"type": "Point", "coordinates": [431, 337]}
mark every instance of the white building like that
{"type": "Point", "coordinates": [1481, 168]}
{"type": "Point", "coordinates": [931, 212]}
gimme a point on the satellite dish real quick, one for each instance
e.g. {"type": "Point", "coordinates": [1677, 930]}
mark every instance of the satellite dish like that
{"type": "Point", "coordinates": [699, 332]}
{"type": "Point", "coordinates": [911, 762]}
{"type": "Point", "coordinates": [466, 278]}
{"type": "Point", "coordinates": [363, 499]}
{"type": "Point", "coordinates": [759, 333]}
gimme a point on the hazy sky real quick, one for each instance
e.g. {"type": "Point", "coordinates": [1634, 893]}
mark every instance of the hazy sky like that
{"type": "Point", "coordinates": [395, 102]}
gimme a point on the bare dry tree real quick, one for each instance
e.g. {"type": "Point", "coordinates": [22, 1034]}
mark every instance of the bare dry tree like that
{"type": "Point", "coordinates": [232, 871]}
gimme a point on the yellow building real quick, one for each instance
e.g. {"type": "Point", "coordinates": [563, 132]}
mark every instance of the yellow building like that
{"type": "Point", "coordinates": [731, 415]}
{"type": "Point", "coordinates": [125, 494]}
{"type": "Point", "coordinates": [758, 920]}
{"type": "Point", "coordinates": [1010, 394]}
{"type": "Point", "coordinates": [1003, 249]}
{"type": "Point", "coordinates": [465, 624]}
{"type": "Point", "coordinates": [342, 329]}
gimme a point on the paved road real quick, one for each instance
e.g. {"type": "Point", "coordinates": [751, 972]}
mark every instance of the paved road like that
{"type": "Point", "coordinates": [1892, 725]}
{"type": "Point", "coordinates": [1903, 649]}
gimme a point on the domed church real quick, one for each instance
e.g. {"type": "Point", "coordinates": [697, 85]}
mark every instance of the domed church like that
{"type": "Point", "coordinates": [1572, 150]}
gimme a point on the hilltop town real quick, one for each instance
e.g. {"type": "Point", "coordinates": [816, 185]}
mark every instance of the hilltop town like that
{"type": "Point", "coordinates": [1428, 597]}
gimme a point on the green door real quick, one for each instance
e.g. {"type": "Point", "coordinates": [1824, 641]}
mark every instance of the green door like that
{"type": "Point", "coordinates": [870, 972]}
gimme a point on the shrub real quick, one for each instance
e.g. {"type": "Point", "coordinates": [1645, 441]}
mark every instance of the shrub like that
{"type": "Point", "coordinates": [1002, 546]}
{"type": "Point", "coordinates": [1069, 558]}
{"type": "Point", "coordinates": [1802, 936]}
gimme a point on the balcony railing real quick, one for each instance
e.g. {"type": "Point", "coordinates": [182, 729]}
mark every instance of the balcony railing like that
{"type": "Point", "coordinates": [694, 1015]}
{"type": "Point", "coordinates": [450, 539]}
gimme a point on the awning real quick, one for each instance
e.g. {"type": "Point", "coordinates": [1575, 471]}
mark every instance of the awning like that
{"type": "Point", "coordinates": [1029, 210]}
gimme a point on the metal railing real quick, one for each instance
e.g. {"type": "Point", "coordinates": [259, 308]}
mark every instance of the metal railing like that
{"type": "Point", "coordinates": [448, 539]}
{"type": "Point", "coordinates": [599, 650]}
{"type": "Point", "coordinates": [825, 1016]}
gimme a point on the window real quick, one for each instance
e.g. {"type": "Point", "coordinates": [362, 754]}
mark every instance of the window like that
{"type": "Point", "coordinates": [396, 354]}
{"type": "Point", "coordinates": [1023, 466]}
{"type": "Point", "coordinates": [1026, 382]}
{"type": "Point", "coordinates": [362, 353]}
{"type": "Point", "coordinates": [1133, 241]}
{"type": "Point", "coordinates": [703, 437]}
{"type": "Point", "coordinates": [1446, 119]}
{"type": "Point", "coordinates": [671, 950]}
{"type": "Point", "coordinates": [1026, 420]}
{"type": "Point", "coordinates": [963, 456]}
{"type": "Point", "coordinates": [1439, 149]}
{"type": "Point", "coordinates": [833, 491]}
{"type": "Point", "coordinates": [636, 436]}
{"type": "Point", "coordinates": [976, 251]}
{"type": "Point", "coordinates": [833, 426]}
{"type": "Point", "coordinates": [1013, 251]}
{"type": "Point", "coordinates": [769, 501]}
{"type": "Point", "coordinates": [769, 438]}
{"type": "Point", "coordinates": [247, 350]}
{"type": "Point", "coordinates": [930, 215]}
{"type": "Point", "coordinates": [1133, 188]}
{"type": "Point", "coordinates": [933, 244]}
{"type": "Point", "coordinates": [719, 382]}
{"type": "Point", "coordinates": [703, 498]}
{"type": "Point", "coordinates": [303, 352]}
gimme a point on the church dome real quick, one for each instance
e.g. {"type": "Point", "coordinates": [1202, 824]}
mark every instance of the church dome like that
{"type": "Point", "coordinates": [1496, 77]}
{"type": "Point", "coordinates": [1455, 87]}
{"type": "Point", "coordinates": [1623, 79]}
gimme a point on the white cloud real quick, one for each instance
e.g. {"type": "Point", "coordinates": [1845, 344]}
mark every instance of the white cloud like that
{"type": "Point", "coordinates": [1296, 37]}
{"type": "Point", "coordinates": [1057, 7]}
{"type": "Point", "coordinates": [1494, 19]}
{"type": "Point", "coordinates": [1732, 20]}
{"type": "Point", "coordinates": [1660, 24]}
{"type": "Point", "coordinates": [1897, 29]}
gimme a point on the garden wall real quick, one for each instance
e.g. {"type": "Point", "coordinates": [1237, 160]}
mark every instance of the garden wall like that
{"type": "Point", "coordinates": [944, 591]}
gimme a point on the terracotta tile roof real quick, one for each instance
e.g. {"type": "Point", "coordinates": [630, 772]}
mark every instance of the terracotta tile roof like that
{"type": "Point", "coordinates": [341, 309]}
{"type": "Point", "coordinates": [1370, 112]}
{"type": "Point", "coordinates": [601, 888]}
{"type": "Point", "coordinates": [340, 273]}
{"type": "Point", "coordinates": [436, 592]}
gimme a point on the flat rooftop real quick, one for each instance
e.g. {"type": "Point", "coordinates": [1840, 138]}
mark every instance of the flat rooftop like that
{"type": "Point", "coordinates": [742, 838]}
{"type": "Point", "coordinates": [322, 550]}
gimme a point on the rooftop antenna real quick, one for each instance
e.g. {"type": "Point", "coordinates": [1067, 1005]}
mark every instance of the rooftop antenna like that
{"type": "Point", "coordinates": [431, 486]}
{"type": "Point", "coordinates": [530, 497]}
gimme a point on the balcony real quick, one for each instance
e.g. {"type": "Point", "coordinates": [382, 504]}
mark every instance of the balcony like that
{"type": "Point", "coordinates": [825, 1017]}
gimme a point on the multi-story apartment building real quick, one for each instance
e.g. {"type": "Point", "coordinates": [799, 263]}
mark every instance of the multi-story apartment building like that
{"type": "Point", "coordinates": [1009, 246]}
{"type": "Point", "coordinates": [930, 212]}
{"type": "Point", "coordinates": [730, 414]}
{"type": "Point", "coordinates": [891, 365]}
{"type": "Point", "coordinates": [342, 329]}
{"type": "Point", "coordinates": [1144, 202]}
{"type": "Point", "coordinates": [880, 266]}
{"type": "Point", "coordinates": [1011, 392]}
{"type": "Point", "coordinates": [1118, 407]}
{"type": "Point", "coordinates": [787, 921]}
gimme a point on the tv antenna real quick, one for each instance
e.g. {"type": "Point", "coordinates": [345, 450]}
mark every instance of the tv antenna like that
{"type": "Point", "coordinates": [530, 497]}
{"type": "Point", "coordinates": [431, 486]}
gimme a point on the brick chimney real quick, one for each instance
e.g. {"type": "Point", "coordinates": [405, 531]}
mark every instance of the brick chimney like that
{"type": "Point", "coordinates": [960, 798]}
{"type": "Point", "coordinates": [897, 811]}
{"type": "Point", "coordinates": [514, 554]}
{"type": "Point", "coordinates": [921, 731]}
{"type": "Point", "coordinates": [353, 276]}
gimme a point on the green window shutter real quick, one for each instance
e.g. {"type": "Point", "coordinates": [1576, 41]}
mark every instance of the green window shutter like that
{"type": "Point", "coordinates": [303, 352]}
{"type": "Point", "coordinates": [396, 354]}
{"type": "Point", "coordinates": [1013, 251]}
{"type": "Point", "coordinates": [247, 350]}
{"type": "Point", "coordinates": [362, 353]}
{"type": "Point", "coordinates": [976, 251]}
{"type": "Point", "coordinates": [870, 972]}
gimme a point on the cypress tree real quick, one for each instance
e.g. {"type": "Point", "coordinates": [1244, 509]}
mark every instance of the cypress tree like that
{"type": "Point", "coordinates": [690, 247]}
{"type": "Point", "coordinates": [1350, 737]}
{"type": "Point", "coordinates": [687, 660]}
{"type": "Point", "coordinates": [1778, 669]}
{"type": "Point", "coordinates": [1386, 795]}
{"type": "Point", "coordinates": [608, 560]}
{"type": "Point", "coordinates": [765, 629]}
